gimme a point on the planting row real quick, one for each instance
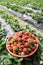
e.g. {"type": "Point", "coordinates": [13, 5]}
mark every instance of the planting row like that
{"type": "Point", "coordinates": [33, 3]}
{"type": "Point", "coordinates": [36, 14]}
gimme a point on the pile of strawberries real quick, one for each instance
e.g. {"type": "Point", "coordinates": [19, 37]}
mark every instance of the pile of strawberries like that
{"type": "Point", "coordinates": [22, 43]}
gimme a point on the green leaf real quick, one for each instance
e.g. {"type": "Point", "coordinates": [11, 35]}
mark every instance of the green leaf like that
{"type": "Point", "coordinates": [7, 61]}
{"type": "Point", "coordinates": [18, 59]}
{"type": "Point", "coordinates": [41, 57]}
{"type": "Point", "coordinates": [19, 63]}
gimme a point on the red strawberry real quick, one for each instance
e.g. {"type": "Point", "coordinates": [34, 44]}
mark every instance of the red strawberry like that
{"type": "Point", "coordinates": [23, 38]}
{"type": "Point", "coordinates": [19, 39]}
{"type": "Point", "coordinates": [26, 36]}
{"type": "Point", "coordinates": [18, 45]}
{"type": "Point", "coordinates": [20, 33]}
{"type": "Point", "coordinates": [10, 38]}
{"type": "Point", "coordinates": [25, 50]}
{"type": "Point", "coordinates": [26, 33]}
{"type": "Point", "coordinates": [14, 51]}
{"type": "Point", "coordinates": [22, 46]}
{"type": "Point", "coordinates": [33, 48]}
{"type": "Point", "coordinates": [10, 48]}
{"type": "Point", "coordinates": [35, 41]}
{"type": "Point", "coordinates": [27, 44]}
{"type": "Point", "coordinates": [15, 43]}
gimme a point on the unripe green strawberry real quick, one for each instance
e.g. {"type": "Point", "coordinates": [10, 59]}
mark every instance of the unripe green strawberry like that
{"type": "Point", "coordinates": [15, 48]}
{"type": "Point", "coordinates": [22, 53]}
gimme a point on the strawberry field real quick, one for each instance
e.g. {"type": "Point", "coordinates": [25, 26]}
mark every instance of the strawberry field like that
{"type": "Point", "coordinates": [15, 16]}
